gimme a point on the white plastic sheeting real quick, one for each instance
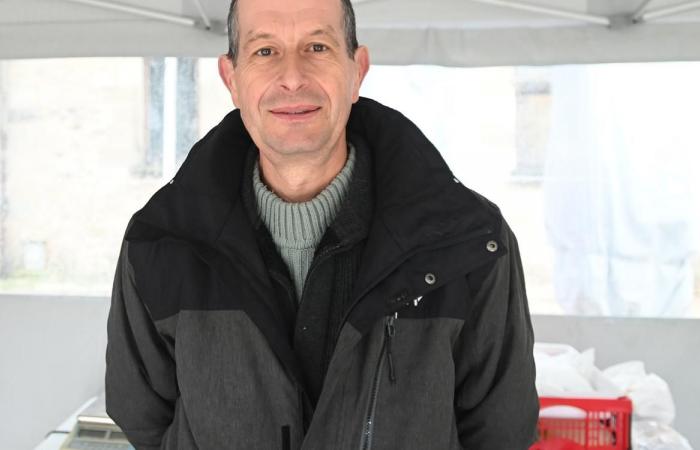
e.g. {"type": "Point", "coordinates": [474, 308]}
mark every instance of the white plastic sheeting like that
{"type": "Point", "coordinates": [622, 204]}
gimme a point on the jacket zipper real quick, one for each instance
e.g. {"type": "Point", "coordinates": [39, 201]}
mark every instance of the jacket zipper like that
{"type": "Point", "coordinates": [368, 427]}
{"type": "Point", "coordinates": [388, 337]}
{"type": "Point", "coordinates": [389, 333]}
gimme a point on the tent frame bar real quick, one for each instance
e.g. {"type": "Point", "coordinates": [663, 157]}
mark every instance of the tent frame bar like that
{"type": "Point", "coordinates": [135, 10]}
{"type": "Point", "coordinates": [637, 16]}
{"type": "Point", "coordinates": [670, 10]}
{"type": "Point", "coordinates": [589, 18]}
{"type": "Point", "coordinates": [203, 14]}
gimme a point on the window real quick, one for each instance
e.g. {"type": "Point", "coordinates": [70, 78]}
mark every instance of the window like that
{"type": "Point", "coordinates": [85, 143]}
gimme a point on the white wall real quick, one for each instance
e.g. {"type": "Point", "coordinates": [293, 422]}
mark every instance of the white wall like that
{"type": "Point", "coordinates": [52, 359]}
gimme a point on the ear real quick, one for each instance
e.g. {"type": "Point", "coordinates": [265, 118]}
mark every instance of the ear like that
{"type": "Point", "coordinates": [227, 73]}
{"type": "Point", "coordinates": [362, 64]}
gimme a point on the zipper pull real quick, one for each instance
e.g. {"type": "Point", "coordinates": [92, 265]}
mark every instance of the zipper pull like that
{"type": "Point", "coordinates": [390, 331]}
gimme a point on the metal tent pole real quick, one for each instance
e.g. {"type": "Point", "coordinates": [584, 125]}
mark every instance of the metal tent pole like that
{"type": "Point", "coordinates": [589, 18]}
{"type": "Point", "coordinates": [173, 18]}
{"type": "Point", "coordinates": [203, 14]}
{"type": "Point", "coordinates": [637, 16]}
{"type": "Point", "coordinates": [670, 11]}
{"type": "Point", "coordinates": [169, 118]}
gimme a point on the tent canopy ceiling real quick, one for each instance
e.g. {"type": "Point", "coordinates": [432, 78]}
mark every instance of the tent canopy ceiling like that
{"type": "Point", "coordinates": [447, 32]}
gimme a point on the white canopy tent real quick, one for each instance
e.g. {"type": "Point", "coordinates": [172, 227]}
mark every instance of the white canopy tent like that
{"type": "Point", "coordinates": [467, 33]}
{"type": "Point", "coordinates": [447, 32]}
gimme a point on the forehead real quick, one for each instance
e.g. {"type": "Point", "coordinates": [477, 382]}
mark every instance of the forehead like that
{"type": "Point", "coordinates": [255, 16]}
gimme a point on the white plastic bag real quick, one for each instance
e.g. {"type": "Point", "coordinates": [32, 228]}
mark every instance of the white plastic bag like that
{"type": "Point", "coordinates": [650, 395]}
{"type": "Point", "coordinates": [562, 370]}
{"type": "Point", "coordinates": [651, 435]}
{"type": "Point", "coordinates": [559, 370]}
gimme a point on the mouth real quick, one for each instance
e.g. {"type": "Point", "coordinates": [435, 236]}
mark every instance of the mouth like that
{"type": "Point", "coordinates": [295, 112]}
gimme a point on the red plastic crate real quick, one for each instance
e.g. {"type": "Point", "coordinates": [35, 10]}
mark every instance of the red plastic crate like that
{"type": "Point", "coordinates": [584, 423]}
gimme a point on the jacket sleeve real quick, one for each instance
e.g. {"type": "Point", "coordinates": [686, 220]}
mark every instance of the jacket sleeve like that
{"type": "Point", "coordinates": [496, 403]}
{"type": "Point", "coordinates": [140, 382]}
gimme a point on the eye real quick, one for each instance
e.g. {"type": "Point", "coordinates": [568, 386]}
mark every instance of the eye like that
{"type": "Point", "coordinates": [264, 52]}
{"type": "Point", "coordinates": [319, 47]}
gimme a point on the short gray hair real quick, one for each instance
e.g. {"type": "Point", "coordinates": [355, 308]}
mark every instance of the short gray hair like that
{"type": "Point", "coordinates": [348, 24]}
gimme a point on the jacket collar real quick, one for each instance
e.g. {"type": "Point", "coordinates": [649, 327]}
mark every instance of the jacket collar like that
{"type": "Point", "coordinates": [418, 202]}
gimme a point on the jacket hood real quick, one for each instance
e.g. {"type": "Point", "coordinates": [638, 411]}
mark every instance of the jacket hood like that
{"type": "Point", "coordinates": [418, 199]}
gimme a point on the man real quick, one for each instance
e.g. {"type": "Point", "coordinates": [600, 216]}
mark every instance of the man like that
{"type": "Point", "coordinates": [314, 277]}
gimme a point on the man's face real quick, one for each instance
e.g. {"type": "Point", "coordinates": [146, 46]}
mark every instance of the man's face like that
{"type": "Point", "coordinates": [293, 81]}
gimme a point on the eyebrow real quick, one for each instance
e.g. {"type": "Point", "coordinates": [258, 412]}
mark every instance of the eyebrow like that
{"type": "Point", "coordinates": [256, 37]}
{"type": "Point", "coordinates": [328, 31]}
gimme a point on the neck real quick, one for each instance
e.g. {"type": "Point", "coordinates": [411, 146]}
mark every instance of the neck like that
{"type": "Point", "coordinates": [302, 180]}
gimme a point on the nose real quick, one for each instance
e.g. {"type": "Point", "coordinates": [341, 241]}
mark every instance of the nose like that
{"type": "Point", "coordinates": [292, 74]}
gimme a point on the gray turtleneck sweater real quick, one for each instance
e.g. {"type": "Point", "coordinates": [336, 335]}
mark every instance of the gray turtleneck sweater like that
{"type": "Point", "coordinates": [297, 228]}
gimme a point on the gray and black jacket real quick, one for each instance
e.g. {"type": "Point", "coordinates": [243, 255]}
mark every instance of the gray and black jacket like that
{"type": "Point", "coordinates": [433, 350]}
